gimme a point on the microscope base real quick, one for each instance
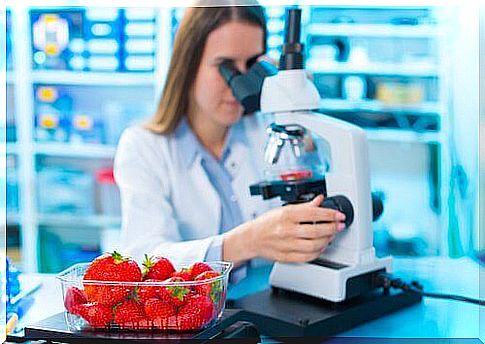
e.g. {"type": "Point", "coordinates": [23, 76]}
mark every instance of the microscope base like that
{"type": "Point", "coordinates": [328, 280]}
{"type": "Point", "coordinates": [280, 313]}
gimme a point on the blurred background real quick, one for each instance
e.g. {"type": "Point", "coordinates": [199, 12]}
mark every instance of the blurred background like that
{"type": "Point", "coordinates": [77, 76]}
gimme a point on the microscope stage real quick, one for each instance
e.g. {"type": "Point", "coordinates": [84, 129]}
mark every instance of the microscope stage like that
{"type": "Point", "coordinates": [279, 313]}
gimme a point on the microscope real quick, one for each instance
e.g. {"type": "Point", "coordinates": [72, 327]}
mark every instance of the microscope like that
{"type": "Point", "coordinates": [346, 268]}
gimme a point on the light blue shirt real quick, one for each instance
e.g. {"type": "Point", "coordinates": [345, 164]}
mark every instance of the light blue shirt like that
{"type": "Point", "coordinates": [220, 179]}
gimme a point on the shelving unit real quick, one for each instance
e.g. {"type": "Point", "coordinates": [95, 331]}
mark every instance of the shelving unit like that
{"type": "Point", "coordinates": [375, 30]}
{"type": "Point", "coordinates": [31, 153]}
{"type": "Point", "coordinates": [391, 65]}
{"type": "Point", "coordinates": [89, 151]}
{"type": "Point", "coordinates": [50, 77]}
{"type": "Point", "coordinates": [389, 69]}
{"type": "Point", "coordinates": [377, 106]}
{"type": "Point", "coordinates": [28, 150]}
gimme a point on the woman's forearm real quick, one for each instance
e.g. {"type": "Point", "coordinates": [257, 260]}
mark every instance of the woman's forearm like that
{"type": "Point", "coordinates": [239, 245]}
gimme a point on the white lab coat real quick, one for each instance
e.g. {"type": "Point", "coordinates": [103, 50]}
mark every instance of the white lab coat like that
{"type": "Point", "coordinates": [173, 211]}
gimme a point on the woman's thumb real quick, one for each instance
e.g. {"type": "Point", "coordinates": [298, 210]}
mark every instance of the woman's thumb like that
{"type": "Point", "coordinates": [317, 201]}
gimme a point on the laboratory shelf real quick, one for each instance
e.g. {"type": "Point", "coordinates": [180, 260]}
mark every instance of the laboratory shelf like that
{"type": "Point", "coordinates": [374, 30]}
{"type": "Point", "coordinates": [80, 220]}
{"type": "Point", "coordinates": [66, 150]}
{"type": "Point", "coordinates": [427, 108]}
{"type": "Point", "coordinates": [50, 77]}
{"type": "Point", "coordinates": [9, 148]}
{"type": "Point", "coordinates": [10, 77]}
{"type": "Point", "coordinates": [388, 69]}
{"type": "Point", "coordinates": [403, 136]}
{"type": "Point", "coordinates": [13, 218]}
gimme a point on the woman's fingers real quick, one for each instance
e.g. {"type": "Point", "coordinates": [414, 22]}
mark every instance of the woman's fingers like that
{"type": "Point", "coordinates": [311, 214]}
{"type": "Point", "coordinates": [306, 250]}
{"type": "Point", "coordinates": [314, 246]}
{"type": "Point", "coordinates": [314, 231]}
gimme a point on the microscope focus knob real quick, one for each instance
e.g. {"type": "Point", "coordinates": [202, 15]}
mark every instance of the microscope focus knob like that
{"type": "Point", "coordinates": [342, 204]}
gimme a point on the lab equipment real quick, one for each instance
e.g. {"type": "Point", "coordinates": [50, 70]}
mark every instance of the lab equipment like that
{"type": "Point", "coordinates": [94, 39]}
{"type": "Point", "coordinates": [64, 190]}
{"type": "Point", "coordinates": [354, 88]}
{"type": "Point", "coordinates": [350, 260]}
{"type": "Point", "coordinates": [139, 42]}
{"type": "Point", "coordinates": [18, 294]}
{"type": "Point", "coordinates": [52, 32]}
{"type": "Point", "coordinates": [52, 108]}
{"type": "Point", "coordinates": [87, 128]}
{"type": "Point", "coordinates": [107, 193]}
{"type": "Point", "coordinates": [247, 87]}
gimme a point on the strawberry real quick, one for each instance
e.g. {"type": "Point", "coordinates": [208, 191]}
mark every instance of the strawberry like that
{"type": "Point", "coordinates": [145, 292]}
{"type": "Point", "coordinates": [129, 314]}
{"type": "Point", "coordinates": [174, 294]}
{"type": "Point", "coordinates": [156, 309]}
{"type": "Point", "coordinates": [110, 267]}
{"type": "Point", "coordinates": [169, 323]}
{"type": "Point", "coordinates": [157, 268]}
{"type": "Point", "coordinates": [183, 274]}
{"type": "Point", "coordinates": [96, 314]}
{"type": "Point", "coordinates": [74, 297]}
{"type": "Point", "coordinates": [199, 267]}
{"type": "Point", "coordinates": [211, 289]}
{"type": "Point", "coordinates": [197, 312]}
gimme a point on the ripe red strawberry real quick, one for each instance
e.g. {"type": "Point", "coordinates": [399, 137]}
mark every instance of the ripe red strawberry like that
{"type": "Point", "coordinates": [156, 309]}
{"type": "Point", "coordinates": [197, 311]}
{"type": "Point", "coordinates": [183, 274]}
{"type": "Point", "coordinates": [199, 267]}
{"type": "Point", "coordinates": [212, 289]}
{"type": "Point", "coordinates": [158, 268]}
{"type": "Point", "coordinates": [97, 315]}
{"type": "Point", "coordinates": [129, 314]}
{"type": "Point", "coordinates": [110, 267]}
{"type": "Point", "coordinates": [169, 323]}
{"type": "Point", "coordinates": [74, 297]}
{"type": "Point", "coordinates": [145, 292]}
{"type": "Point", "coordinates": [174, 294]}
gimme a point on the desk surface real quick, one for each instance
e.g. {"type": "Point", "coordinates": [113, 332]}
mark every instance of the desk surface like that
{"type": "Point", "coordinates": [433, 318]}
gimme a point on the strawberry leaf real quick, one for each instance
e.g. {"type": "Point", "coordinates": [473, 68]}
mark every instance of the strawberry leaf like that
{"type": "Point", "coordinates": [118, 258]}
{"type": "Point", "coordinates": [178, 292]}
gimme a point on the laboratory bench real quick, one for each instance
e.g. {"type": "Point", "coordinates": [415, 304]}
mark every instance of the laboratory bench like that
{"type": "Point", "coordinates": [430, 321]}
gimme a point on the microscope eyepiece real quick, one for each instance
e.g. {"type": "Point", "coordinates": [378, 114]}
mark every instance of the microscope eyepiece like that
{"type": "Point", "coordinates": [292, 52]}
{"type": "Point", "coordinates": [246, 87]}
{"type": "Point", "coordinates": [293, 23]}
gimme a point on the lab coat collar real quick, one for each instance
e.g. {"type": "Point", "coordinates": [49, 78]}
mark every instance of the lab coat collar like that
{"type": "Point", "coordinates": [189, 146]}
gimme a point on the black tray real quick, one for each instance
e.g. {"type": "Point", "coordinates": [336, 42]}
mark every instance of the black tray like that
{"type": "Point", "coordinates": [55, 329]}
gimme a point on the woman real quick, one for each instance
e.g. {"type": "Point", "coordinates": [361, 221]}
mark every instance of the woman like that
{"type": "Point", "coordinates": [185, 176]}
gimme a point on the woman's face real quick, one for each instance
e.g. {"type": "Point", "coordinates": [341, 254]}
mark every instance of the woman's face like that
{"type": "Point", "coordinates": [212, 99]}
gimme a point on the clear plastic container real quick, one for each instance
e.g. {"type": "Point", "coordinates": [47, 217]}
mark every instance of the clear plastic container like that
{"type": "Point", "coordinates": [215, 289]}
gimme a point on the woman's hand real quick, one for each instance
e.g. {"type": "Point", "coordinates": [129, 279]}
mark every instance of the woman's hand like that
{"type": "Point", "coordinates": [283, 234]}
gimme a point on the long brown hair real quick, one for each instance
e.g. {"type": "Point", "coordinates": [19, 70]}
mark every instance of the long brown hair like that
{"type": "Point", "coordinates": [196, 25]}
